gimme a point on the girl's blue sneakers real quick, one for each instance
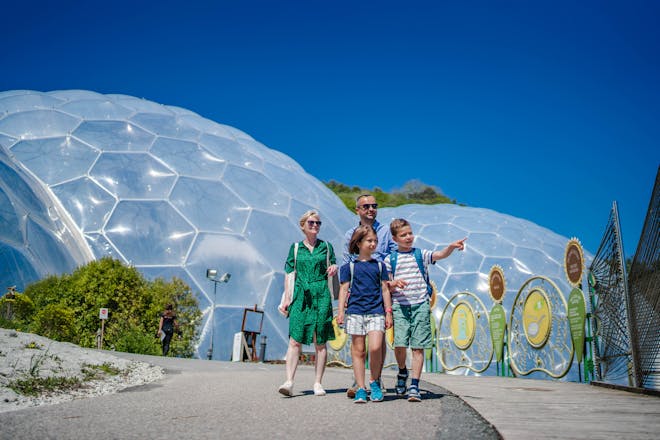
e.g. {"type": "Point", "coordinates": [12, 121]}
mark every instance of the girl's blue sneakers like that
{"type": "Point", "coordinates": [376, 392]}
{"type": "Point", "coordinates": [360, 396]}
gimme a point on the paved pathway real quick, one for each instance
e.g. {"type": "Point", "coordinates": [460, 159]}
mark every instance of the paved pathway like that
{"type": "Point", "coordinates": [201, 399]}
{"type": "Point", "coordinates": [549, 409]}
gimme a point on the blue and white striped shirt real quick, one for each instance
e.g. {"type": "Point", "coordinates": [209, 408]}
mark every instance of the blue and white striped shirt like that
{"type": "Point", "coordinates": [407, 269]}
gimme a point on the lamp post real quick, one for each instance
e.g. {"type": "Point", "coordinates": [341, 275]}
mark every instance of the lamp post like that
{"type": "Point", "coordinates": [212, 274]}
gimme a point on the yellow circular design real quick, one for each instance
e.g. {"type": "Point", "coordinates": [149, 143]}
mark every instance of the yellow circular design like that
{"type": "Point", "coordinates": [537, 318]}
{"type": "Point", "coordinates": [389, 337]}
{"type": "Point", "coordinates": [340, 336]}
{"type": "Point", "coordinates": [462, 325]}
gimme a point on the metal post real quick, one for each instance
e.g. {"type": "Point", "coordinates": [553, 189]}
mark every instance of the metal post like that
{"type": "Point", "coordinates": [210, 352]}
{"type": "Point", "coordinates": [262, 354]}
{"type": "Point", "coordinates": [102, 330]}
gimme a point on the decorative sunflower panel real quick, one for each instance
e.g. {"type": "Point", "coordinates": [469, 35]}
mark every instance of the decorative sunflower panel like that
{"type": "Point", "coordinates": [339, 349]}
{"type": "Point", "coordinates": [539, 332]}
{"type": "Point", "coordinates": [463, 334]}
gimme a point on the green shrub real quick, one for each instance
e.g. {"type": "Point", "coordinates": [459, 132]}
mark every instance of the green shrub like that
{"type": "Point", "coordinates": [135, 340]}
{"type": "Point", "coordinates": [16, 310]}
{"type": "Point", "coordinates": [134, 306]}
{"type": "Point", "coordinates": [55, 322]}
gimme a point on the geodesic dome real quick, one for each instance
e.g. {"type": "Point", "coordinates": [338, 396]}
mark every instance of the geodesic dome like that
{"type": "Point", "coordinates": [85, 175]}
{"type": "Point", "coordinates": [522, 250]}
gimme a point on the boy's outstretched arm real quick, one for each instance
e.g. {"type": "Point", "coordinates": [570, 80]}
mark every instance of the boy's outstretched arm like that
{"type": "Point", "coordinates": [458, 244]}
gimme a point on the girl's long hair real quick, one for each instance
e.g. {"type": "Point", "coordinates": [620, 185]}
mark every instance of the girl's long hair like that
{"type": "Point", "coordinates": [357, 237]}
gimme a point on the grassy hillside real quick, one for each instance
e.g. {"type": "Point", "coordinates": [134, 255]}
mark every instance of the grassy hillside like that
{"type": "Point", "coordinates": [413, 191]}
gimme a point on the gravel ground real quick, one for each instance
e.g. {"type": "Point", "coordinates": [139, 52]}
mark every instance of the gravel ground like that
{"type": "Point", "coordinates": [27, 356]}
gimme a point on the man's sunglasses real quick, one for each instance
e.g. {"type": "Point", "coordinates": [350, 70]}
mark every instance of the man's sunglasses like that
{"type": "Point", "coordinates": [369, 205]}
{"type": "Point", "coordinates": [312, 223]}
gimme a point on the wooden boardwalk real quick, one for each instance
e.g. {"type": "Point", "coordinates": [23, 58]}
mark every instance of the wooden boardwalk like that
{"type": "Point", "coordinates": [549, 409]}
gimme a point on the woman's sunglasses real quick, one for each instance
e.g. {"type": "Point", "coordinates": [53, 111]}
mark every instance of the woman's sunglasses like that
{"type": "Point", "coordinates": [312, 223]}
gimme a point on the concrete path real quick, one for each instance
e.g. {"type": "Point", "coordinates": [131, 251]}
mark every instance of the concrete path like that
{"type": "Point", "coordinates": [201, 399]}
{"type": "Point", "coordinates": [548, 409]}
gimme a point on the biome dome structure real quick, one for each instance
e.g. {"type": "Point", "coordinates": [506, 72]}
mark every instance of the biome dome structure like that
{"type": "Point", "coordinates": [85, 175]}
{"type": "Point", "coordinates": [522, 250]}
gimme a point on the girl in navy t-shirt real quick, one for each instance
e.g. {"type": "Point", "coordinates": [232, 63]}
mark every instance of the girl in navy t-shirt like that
{"type": "Point", "coordinates": [366, 309]}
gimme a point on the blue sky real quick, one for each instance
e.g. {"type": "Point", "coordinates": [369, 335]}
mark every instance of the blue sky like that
{"type": "Point", "coordinates": [545, 110]}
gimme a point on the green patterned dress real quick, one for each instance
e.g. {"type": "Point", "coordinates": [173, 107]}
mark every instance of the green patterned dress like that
{"type": "Point", "coordinates": [310, 311]}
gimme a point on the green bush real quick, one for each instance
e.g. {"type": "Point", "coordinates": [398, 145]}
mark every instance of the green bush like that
{"type": "Point", "coordinates": [134, 305]}
{"type": "Point", "coordinates": [19, 306]}
{"type": "Point", "coordinates": [55, 322]}
{"type": "Point", "coordinates": [135, 340]}
{"type": "Point", "coordinates": [16, 311]}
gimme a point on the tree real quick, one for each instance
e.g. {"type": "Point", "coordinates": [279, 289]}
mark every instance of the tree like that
{"type": "Point", "coordinates": [133, 303]}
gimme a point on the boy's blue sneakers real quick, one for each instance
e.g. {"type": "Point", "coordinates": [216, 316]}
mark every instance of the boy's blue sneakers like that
{"type": "Point", "coordinates": [413, 394]}
{"type": "Point", "coordinates": [376, 392]}
{"type": "Point", "coordinates": [360, 396]}
{"type": "Point", "coordinates": [401, 382]}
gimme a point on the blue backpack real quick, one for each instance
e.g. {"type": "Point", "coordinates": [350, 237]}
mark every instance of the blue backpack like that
{"type": "Point", "coordinates": [422, 267]}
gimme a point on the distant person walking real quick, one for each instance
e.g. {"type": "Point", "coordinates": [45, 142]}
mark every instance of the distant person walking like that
{"type": "Point", "coordinates": [166, 327]}
{"type": "Point", "coordinates": [369, 310]}
{"type": "Point", "coordinates": [310, 311]}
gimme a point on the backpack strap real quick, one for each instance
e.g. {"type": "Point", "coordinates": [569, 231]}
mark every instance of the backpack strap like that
{"type": "Point", "coordinates": [423, 269]}
{"type": "Point", "coordinates": [420, 263]}
{"type": "Point", "coordinates": [351, 266]}
{"type": "Point", "coordinates": [393, 257]}
{"type": "Point", "coordinates": [295, 254]}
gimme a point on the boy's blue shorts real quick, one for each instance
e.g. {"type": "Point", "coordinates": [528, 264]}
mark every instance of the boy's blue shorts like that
{"type": "Point", "coordinates": [412, 325]}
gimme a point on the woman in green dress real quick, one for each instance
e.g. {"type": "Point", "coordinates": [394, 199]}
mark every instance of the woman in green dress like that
{"type": "Point", "coordinates": [310, 311]}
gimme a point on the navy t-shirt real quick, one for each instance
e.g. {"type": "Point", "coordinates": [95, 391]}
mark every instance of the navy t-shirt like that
{"type": "Point", "coordinates": [365, 295]}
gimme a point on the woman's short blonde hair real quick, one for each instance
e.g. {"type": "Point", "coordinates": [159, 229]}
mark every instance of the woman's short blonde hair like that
{"type": "Point", "coordinates": [306, 215]}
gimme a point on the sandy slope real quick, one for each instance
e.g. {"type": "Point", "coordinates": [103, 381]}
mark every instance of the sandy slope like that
{"type": "Point", "coordinates": [24, 355]}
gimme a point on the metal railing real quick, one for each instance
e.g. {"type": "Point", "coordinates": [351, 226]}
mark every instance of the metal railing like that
{"type": "Point", "coordinates": [608, 296]}
{"type": "Point", "coordinates": [644, 298]}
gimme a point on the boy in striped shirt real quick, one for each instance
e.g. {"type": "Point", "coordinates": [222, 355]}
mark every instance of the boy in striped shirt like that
{"type": "Point", "coordinates": [410, 291]}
